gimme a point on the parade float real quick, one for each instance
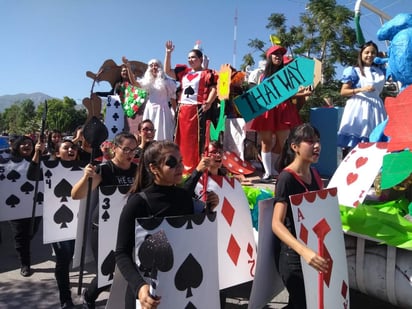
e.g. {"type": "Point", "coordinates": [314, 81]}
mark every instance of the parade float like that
{"type": "Point", "coordinates": [378, 232]}
{"type": "Point", "coordinates": [377, 222]}
{"type": "Point", "coordinates": [373, 181]}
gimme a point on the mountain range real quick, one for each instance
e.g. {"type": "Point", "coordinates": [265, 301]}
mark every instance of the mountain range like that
{"type": "Point", "coordinates": [36, 97]}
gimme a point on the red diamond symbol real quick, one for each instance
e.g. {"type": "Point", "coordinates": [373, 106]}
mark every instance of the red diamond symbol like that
{"type": "Point", "coordinates": [304, 234]}
{"type": "Point", "coordinates": [250, 250]}
{"type": "Point", "coordinates": [233, 249]}
{"type": "Point", "coordinates": [344, 289]}
{"type": "Point", "coordinates": [228, 211]}
{"type": "Point", "coordinates": [326, 255]}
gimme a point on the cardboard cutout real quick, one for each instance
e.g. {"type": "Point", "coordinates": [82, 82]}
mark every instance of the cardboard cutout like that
{"type": "Point", "coordinates": [399, 126]}
{"type": "Point", "coordinates": [356, 173]}
{"type": "Point", "coordinates": [277, 88]}
{"type": "Point", "coordinates": [16, 191]}
{"type": "Point", "coordinates": [110, 72]}
{"type": "Point", "coordinates": [318, 225]}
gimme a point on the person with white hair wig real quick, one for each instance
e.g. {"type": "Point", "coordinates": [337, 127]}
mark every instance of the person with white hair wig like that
{"type": "Point", "coordinates": [161, 104]}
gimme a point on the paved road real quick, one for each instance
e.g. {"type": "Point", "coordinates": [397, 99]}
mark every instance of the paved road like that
{"type": "Point", "coordinates": [40, 290]}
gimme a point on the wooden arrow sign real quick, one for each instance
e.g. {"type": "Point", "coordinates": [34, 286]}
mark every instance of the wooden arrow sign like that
{"type": "Point", "coordinates": [276, 89]}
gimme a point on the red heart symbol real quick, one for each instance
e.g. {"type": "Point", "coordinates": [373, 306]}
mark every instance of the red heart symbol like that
{"type": "Point", "coordinates": [190, 77]}
{"type": "Point", "coordinates": [361, 161]}
{"type": "Point", "coordinates": [351, 178]}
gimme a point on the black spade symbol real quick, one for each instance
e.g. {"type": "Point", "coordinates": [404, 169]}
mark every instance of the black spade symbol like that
{"type": "Point", "coordinates": [13, 176]}
{"type": "Point", "coordinates": [156, 252]}
{"type": "Point", "coordinates": [105, 216]}
{"type": "Point", "coordinates": [48, 174]}
{"type": "Point", "coordinates": [27, 187]}
{"type": "Point", "coordinates": [108, 265]}
{"type": "Point", "coordinates": [63, 190]}
{"type": "Point", "coordinates": [63, 216]}
{"type": "Point", "coordinates": [189, 275]}
{"type": "Point", "coordinates": [189, 91]}
{"type": "Point", "coordinates": [12, 201]}
{"type": "Point", "coordinates": [40, 198]}
{"type": "Point", "coordinates": [95, 132]}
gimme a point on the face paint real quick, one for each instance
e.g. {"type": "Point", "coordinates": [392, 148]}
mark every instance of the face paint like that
{"type": "Point", "coordinates": [171, 162]}
{"type": "Point", "coordinates": [215, 151]}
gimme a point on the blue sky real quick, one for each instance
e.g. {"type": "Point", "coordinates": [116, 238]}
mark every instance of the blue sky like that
{"type": "Point", "coordinates": [48, 45]}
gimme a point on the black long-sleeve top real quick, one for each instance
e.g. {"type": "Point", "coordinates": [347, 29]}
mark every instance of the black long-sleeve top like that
{"type": "Point", "coordinates": [164, 201]}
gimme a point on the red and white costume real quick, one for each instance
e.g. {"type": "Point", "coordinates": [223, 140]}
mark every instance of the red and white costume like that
{"type": "Point", "coordinates": [191, 120]}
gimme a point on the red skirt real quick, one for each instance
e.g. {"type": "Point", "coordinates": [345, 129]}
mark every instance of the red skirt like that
{"type": "Point", "coordinates": [284, 116]}
{"type": "Point", "coordinates": [188, 136]}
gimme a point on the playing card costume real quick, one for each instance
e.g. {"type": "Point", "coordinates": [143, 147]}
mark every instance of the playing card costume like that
{"type": "Point", "coordinates": [164, 201]}
{"type": "Point", "coordinates": [191, 119]}
{"type": "Point", "coordinates": [288, 261]}
{"type": "Point", "coordinates": [112, 175]}
{"type": "Point", "coordinates": [63, 250]}
{"type": "Point", "coordinates": [22, 151]}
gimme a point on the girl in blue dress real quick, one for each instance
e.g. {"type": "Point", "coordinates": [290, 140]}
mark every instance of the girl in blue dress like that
{"type": "Point", "coordinates": [364, 109]}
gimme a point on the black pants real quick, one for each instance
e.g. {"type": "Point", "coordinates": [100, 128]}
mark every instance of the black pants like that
{"type": "Point", "coordinates": [64, 251]}
{"type": "Point", "coordinates": [22, 237]}
{"type": "Point", "coordinates": [290, 270]}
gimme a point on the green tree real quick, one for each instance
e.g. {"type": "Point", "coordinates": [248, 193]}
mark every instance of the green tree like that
{"type": "Point", "coordinates": [3, 127]}
{"type": "Point", "coordinates": [19, 118]}
{"type": "Point", "coordinates": [23, 117]}
{"type": "Point", "coordinates": [27, 121]}
{"type": "Point", "coordinates": [324, 34]}
{"type": "Point", "coordinates": [62, 115]}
